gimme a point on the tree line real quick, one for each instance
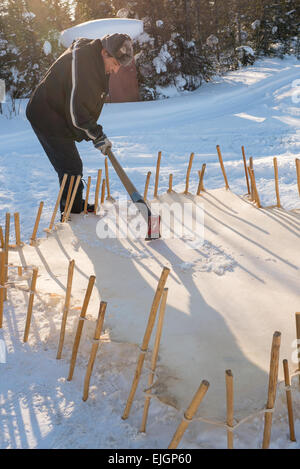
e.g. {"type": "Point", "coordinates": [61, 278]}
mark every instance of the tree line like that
{"type": "Point", "coordinates": [185, 41]}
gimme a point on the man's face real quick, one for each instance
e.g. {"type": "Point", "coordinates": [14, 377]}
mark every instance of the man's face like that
{"type": "Point", "coordinates": [110, 63]}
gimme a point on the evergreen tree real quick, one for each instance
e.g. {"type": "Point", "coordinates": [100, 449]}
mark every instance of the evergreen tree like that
{"type": "Point", "coordinates": [29, 42]}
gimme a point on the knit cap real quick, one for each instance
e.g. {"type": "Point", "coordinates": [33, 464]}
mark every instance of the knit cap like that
{"type": "Point", "coordinates": [119, 46]}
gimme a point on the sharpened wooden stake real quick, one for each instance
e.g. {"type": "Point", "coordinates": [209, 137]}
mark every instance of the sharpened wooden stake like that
{"type": "Point", "coordinates": [30, 305]}
{"type": "Point", "coordinates": [273, 377]}
{"type": "Point", "coordinates": [107, 179]}
{"type": "Point", "coordinates": [94, 350]}
{"type": "Point", "coordinates": [170, 183]}
{"type": "Point", "coordinates": [157, 174]}
{"type": "Point", "coordinates": [189, 414]}
{"type": "Point", "coordinates": [252, 188]}
{"type": "Point", "coordinates": [103, 191]}
{"type": "Point", "coordinates": [17, 229]}
{"type": "Point", "coordinates": [36, 225]}
{"type": "Point", "coordinates": [245, 168]}
{"type": "Point", "coordinates": [70, 206]}
{"type": "Point", "coordinates": [253, 184]}
{"type": "Point", "coordinates": [87, 194]}
{"type": "Point", "coordinates": [6, 249]}
{"type": "Point", "coordinates": [80, 326]}
{"type": "Point", "coordinates": [1, 238]}
{"type": "Point", "coordinates": [147, 336]}
{"type": "Point", "coordinates": [222, 166]}
{"type": "Point", "coordinates": [257, 199]}
{"type": "Point", "coordinates": [68, 198]}
{"type": "Point", "coordinates": [99, 176]}
{"type": "Point", "coordinates": [2, 282]}
{"type": "Point", "coordinates": [297, 317]}
{"type": "Point", "coordinates": [154, 357]}
{"type": "Point", "coordinates": [289, 400]}
{"type": "Point", "coordinates": [147, 185]}
{"type": "Point", "coordinates": [18, 236]}
{"type": "Point", "coordinates": [230, 407]}
{"type": "Point", "coordinates": [66, 308]}
{"type": "Point", "coordinates": [298, 174]}
{"type": "Point", "coordinates": [60, 193]}
{"type": "Point", "coordinates": [276, 182]}
{"type": "Point", "coordinates": [201, 178]}
{"type": "Point", "coordinates": [187, 181]}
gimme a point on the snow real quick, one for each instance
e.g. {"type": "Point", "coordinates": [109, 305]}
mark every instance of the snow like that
{"type": "Point", "coordinates": [212, 40]}
{"type": "Point", "coordinates": [226, 298]}
{"type": "Point", "coordinates": [255, 24]}
{"type": "Point", "coordinates": [47, 48]}
{"type": "Point", "coordinates": [162, 59]}
{"type": "Point", "coordinates": [96, 29]}
{"type": "Point", "coordinates": [247, 49]}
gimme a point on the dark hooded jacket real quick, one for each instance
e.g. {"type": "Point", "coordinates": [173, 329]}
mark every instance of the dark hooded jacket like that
{"type": "Point", "coordinates": [69, 99]}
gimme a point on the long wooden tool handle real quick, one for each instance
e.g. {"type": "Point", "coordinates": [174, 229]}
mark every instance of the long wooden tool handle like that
{"type": "Point", "coordinates": [131, 189]}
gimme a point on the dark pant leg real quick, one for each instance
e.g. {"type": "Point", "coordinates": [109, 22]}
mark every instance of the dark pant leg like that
{"type": "Point", "coordinates": [65, 159]}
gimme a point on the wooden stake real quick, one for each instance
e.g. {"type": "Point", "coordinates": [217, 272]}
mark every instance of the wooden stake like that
{"type": "Point", "coordinates": [245, 168]}
{"type": "Point", "coordinates": [147, 185]}
{"type": "Point", "coordinates": [66, 309]}
{"type": "Point", "coordinates": [78, 179]}
{"type": "Point", "coordinates": [289, 399]}
{"type": "Point", "coordinates": [1, 238]}
{"type": "Point", "coordinates": [157, 174]}
{"type": "Point", "coordinates": [2, 282]}
{"type": "Point", "coordinates": [17, 228]}
{"type": "Point", "coordinates": [252, 188]}
{"type": "Point", "coordinates": [273, 377]}
{"type": "Point", "coordinates": [36, 225]}
{"type": "Point", "coordinates": [80, 326]}
{"type": "Point", "coordinates": [255, 192]}
{"type": "Point", "coordinates": [68, 198]}
{"type": "Point", "coordinates": [18, 237]}
{"type": "Point", "coordinates": [103, 191]}
{"type": "Point", "coordinates": [297, 317]}
{"type": "Point", "coordinates": [189, 414]}
{"type": "Point", "coordinates": [298, 173]}
{"type": "Point", "coordinates": [222, 166]}
{"type": "Point", "coordinates": [97, 190]}
{"type": "Point", "coordinates": [147, 336]}
{"type": "Point", "coordinates": [63, 183]}
{"type": "Point", "coordinates": [201, 177]}
{"type": "Point", "coordinates": [107, 179]}
{"type": "Point", "coordinates": [30, 304]}
{"type": "Point", "coordinates": [94, 350]}
{"type": "Point", "coordinates": [154, 357]}
{"type": "Point", "coordinates": [87, 194]}
{"type": "Point", "coordinates": [230, 408]}
{"type": "Point", "coordinates": [170, 183]}
{"type": "Point", "coordinates": [276, 182]}
{"type": "Point", "coordinates": [6, 249]}
{"type": "Point", "coordinates": [187, 182]}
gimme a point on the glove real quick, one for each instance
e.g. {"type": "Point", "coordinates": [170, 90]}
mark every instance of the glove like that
{"type": "Point", "coordinates": [103, 144]}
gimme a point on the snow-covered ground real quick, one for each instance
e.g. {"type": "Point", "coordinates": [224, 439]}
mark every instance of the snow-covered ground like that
{"type": "Point", "coordinates": [252, 107]}
{"type": "Point", "coordinates": [255, 107]}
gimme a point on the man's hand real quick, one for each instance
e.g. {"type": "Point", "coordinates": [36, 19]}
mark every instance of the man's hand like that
{"type": "Point", "coordinates": [103, 144]}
